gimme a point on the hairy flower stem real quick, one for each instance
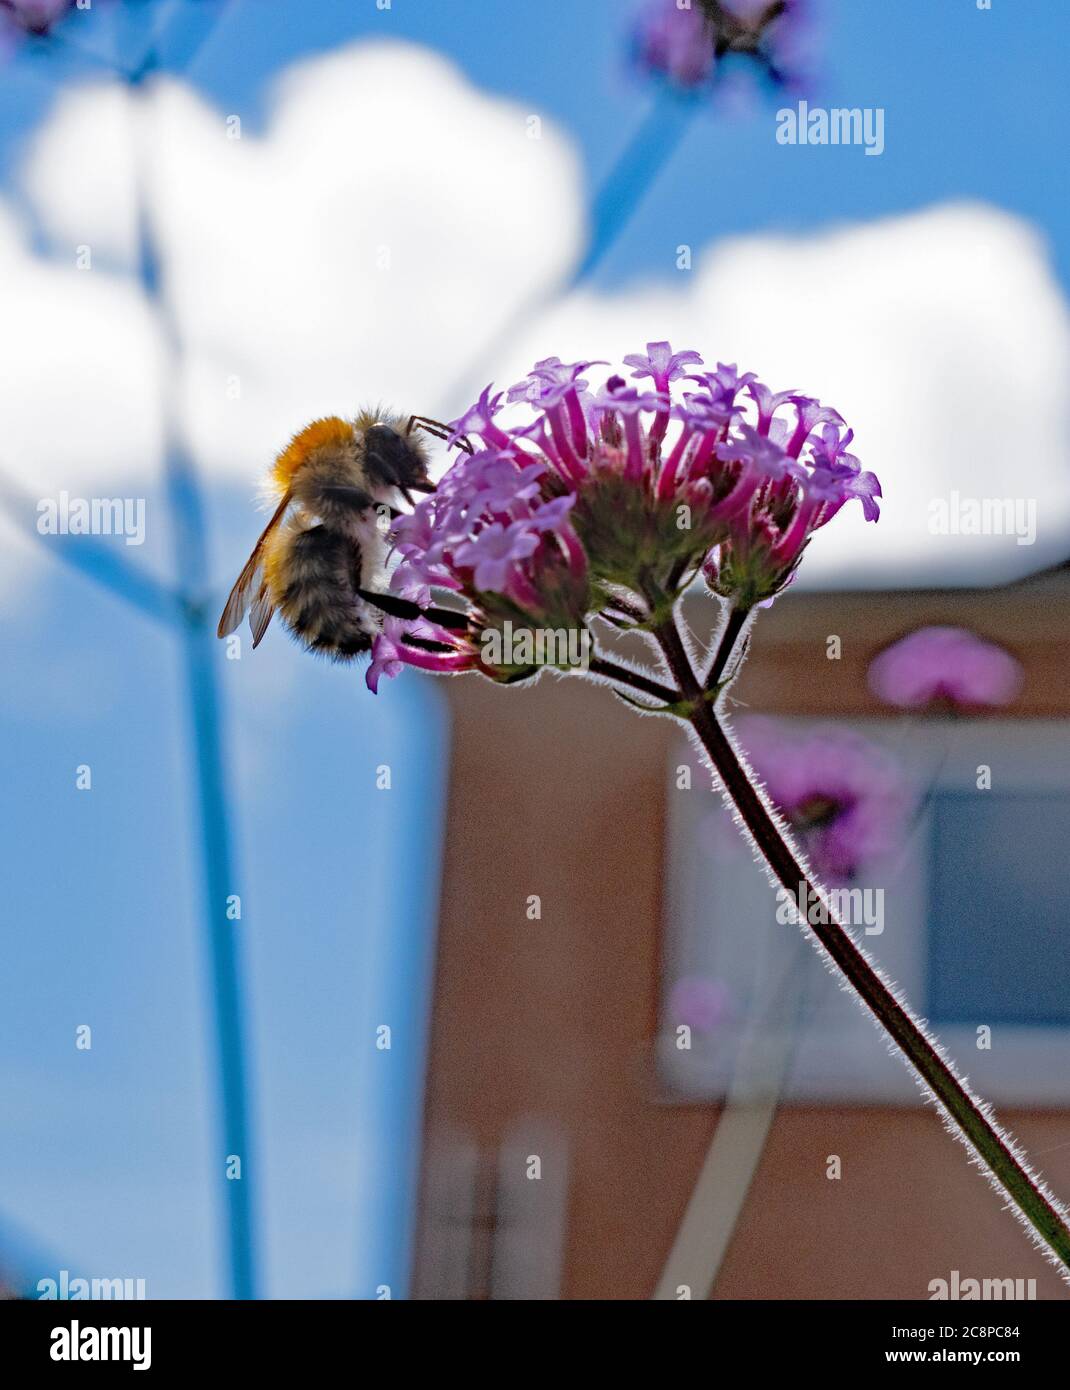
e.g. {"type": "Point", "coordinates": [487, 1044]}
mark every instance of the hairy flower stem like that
{"type": "Point", "coordinates": [978, 1131]}
{"type": "Point", "coordinates": [624, 675]}
{"type": "Point", "coordinates": [730, 634]}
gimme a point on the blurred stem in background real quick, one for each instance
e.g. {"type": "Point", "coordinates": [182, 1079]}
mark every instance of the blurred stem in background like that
{"type": "Point", "coordinates": [653, 143]}
{"type": "Point", "coordinates": [180, 34]}
{"type": "Point", "coordinates": [651, 147]}
{"type": "Point", "coordinates": [766, 1051]}
{"type": "Point", "coordinates": [102, 565]}
{"type": "Point", "coordinates": [189, 539]}
{"type": "Point", "coordinates": [680, 50]}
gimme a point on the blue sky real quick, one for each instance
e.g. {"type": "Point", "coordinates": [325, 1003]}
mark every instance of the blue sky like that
{"type": "Point", "coordinates": [107, 1166]}
{"type": "Point", "coordinates": [973, 103]}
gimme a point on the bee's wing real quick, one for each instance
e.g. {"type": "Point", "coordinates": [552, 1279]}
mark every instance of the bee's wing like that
{"type": "Point", "coordinates": [260, 615]}
{"type": "Point", "coordinates": [250, 586]}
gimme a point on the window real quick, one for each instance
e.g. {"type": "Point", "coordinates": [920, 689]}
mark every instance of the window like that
{"type": "Point", "coordinates": [963, 914]}
{"type": "Point", "coordinates": [998, 934]}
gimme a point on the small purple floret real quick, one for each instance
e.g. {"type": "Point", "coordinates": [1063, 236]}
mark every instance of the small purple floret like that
{"type": "Point", "coordinates": [945, 666]}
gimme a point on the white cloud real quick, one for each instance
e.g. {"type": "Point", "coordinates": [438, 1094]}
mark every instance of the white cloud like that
{"type": "Point", "coordinates": [942, 337]}
{"type": "Point", "coordinates": [78, 369]}
{"type": "Point", "coordinates": [391, 219]}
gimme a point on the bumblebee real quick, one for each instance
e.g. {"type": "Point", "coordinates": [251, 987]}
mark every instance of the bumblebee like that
{"type": "Point", "coordinates": [322, 554]}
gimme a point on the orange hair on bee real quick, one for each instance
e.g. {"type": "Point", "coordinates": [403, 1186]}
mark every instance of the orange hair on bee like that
{"type": "Point", "coordinates": [315, 436]}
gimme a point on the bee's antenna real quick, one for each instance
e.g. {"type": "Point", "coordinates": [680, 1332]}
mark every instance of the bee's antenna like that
{"type": "Point", "coordinates": [438, 429]}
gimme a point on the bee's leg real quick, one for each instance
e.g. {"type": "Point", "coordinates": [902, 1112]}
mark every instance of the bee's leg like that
{"type": "Point", "coordinates": [424, 422]}
{"type": "Point", "coordinates": [396, 607]}
{"type": "Point", "coordinates": [438, 429]}
{"type": "Point", "coordinates": [449, 618]}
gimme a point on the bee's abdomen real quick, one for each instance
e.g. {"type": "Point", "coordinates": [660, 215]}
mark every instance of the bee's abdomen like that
{"type": "Point", "coordinates": [314, 582]}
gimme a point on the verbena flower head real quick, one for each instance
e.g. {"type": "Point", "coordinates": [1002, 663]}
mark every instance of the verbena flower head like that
{"type": "Point", "coordinates": [18, 18]}
{"type": "Point", "coordinates": [844, 797]}
{"type": "Point", "coordinates": [574, 494]}
{"type": "Point", "coordinates": [688, 42]}
{"type": "Point", "coordinates": [945, 667]}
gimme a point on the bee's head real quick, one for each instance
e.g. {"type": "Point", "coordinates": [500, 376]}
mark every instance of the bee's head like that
{"type": "Point", "coordinates": [395, 460]}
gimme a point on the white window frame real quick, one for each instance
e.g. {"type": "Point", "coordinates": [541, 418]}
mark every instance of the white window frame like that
{"type": "Point", "coordinates": [791, 1026]}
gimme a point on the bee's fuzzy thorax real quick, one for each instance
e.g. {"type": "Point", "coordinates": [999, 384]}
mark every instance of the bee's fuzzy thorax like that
{"type": "Point", "coordinates": [332, 431]}
{"type": "Point", "coordinates": [377, 415]}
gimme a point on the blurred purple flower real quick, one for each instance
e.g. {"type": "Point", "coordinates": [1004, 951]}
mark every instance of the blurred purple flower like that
{"type": "Point", "coordinates": [675, 43]}
{"type": "Point", "coordinates": [686, 41]}
{"type": "Point", "coordinates": [945, 666]}
{"type": "Point", "coordinates": [700, 1003]}
{"type": "Point", "coordinates": [844, 797]}
{"type": "Point", "coordinates": [20, 18]}
{"type": "Point", "coordinates": [33, 16]}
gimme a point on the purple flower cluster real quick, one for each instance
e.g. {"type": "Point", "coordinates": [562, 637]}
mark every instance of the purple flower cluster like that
{"type": "Point", "coordinates": [945, 666]}
{"type": "Point", "coordinates": [687, 41]}
{"type": "Point", "coordinates": [845, 798]}
{"type": "Point", "coordinates": [675, 43]}
{"type": "Point", "coordinates": [21, 17]}
{"type": "Point", "coordinates": [640, 483]}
